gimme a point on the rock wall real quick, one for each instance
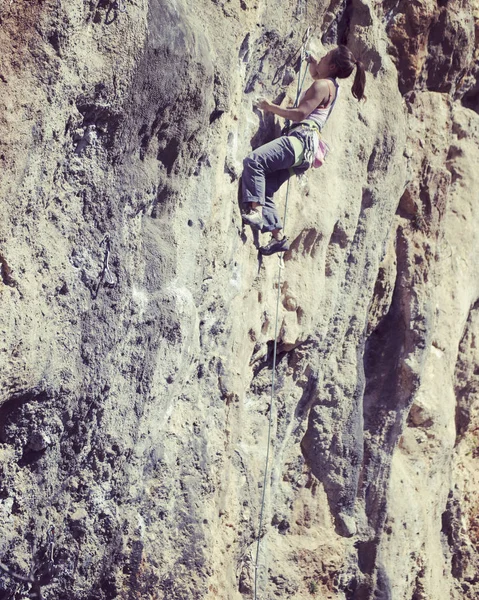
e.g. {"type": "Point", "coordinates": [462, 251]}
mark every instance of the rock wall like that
{"type": "Point", "coordinates": [139, 323]}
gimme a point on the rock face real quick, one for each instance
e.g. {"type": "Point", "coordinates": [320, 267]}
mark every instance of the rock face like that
{"type": "Point", "coordinates": [139, 324]}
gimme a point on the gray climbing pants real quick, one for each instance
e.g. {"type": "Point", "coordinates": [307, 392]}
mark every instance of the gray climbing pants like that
{"type": "Point", "coordinates": [265, 171]}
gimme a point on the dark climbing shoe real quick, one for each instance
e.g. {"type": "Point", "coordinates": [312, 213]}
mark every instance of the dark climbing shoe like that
{"type": "Point", "coordinates": [253, 218]}
{"type": "Point", "coordinates": [275, 246]}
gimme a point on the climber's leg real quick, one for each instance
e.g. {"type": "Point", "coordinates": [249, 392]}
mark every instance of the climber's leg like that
{"type": "Point", "coordinates": [271, 219]}
{"type": "Point", "coordinates": [259, 165]}
{"type": "Point", "coordinates": [276, 244]}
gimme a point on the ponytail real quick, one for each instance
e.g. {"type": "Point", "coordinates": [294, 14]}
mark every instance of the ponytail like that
{"type": "Point", "coordinates": [345, 62]}
{"type": "Point", "coordinates": [359, 83]}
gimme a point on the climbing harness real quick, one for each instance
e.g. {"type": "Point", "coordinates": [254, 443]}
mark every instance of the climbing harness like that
{"type": "Point", "coordinates": [275, 345]}
{"type": "Point", "coordinates": [315, 149]}
{"type": "Point", "coordinates": [307, 134]}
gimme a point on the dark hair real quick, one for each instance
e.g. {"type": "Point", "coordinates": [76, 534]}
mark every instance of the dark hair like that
{"type": "Point", "coordinates": [345, 62]}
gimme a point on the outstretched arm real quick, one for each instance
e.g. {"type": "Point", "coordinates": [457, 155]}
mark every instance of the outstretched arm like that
{"type": "Point", "coordinates": [314, 96]}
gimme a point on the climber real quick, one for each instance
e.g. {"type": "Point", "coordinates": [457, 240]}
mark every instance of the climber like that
{"type": "Point", "coordinates": [269, 166]}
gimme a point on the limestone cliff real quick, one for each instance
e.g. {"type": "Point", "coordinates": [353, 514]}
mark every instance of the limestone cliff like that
{"type": "Point", "coordinates": [138, 323]}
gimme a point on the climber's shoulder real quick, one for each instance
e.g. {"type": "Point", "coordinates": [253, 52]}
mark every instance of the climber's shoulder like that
{"type": "Point", "coordinates": [321, 86]}
{"type": "Point", "coordinates": [319, 89]}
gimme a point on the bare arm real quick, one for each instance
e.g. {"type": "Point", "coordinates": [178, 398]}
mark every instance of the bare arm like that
{"type": "Point", "coordinates": [314, 96]}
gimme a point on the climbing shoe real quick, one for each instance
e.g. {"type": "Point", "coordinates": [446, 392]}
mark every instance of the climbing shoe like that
{"type": "Point", "coordinates": [275, 246]}
{"type": "Point", "coordinates": [253, 218]}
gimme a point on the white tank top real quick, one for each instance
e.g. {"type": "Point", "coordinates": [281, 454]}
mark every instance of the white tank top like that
{"type": "Point", "coordinates": [320, 114]}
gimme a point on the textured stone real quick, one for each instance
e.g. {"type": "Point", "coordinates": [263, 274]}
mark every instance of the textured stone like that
{"type": "Point", "coordinates": [134, 400]}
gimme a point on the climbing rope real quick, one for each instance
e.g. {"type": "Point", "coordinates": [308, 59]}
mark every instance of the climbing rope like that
{"type": "Point", "coordinates": [289, 60]}
{"type": "Point", "coordinates": [275, 345]}
{"type": "Point", "coordinates": [303, 56]}
{"type": "Point", "coordinates": [270, 423]}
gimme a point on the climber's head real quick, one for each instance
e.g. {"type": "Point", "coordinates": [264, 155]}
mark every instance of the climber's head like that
{"type": "Point", "coordinates": [344, 62]}
{"type": "Point", "coordinates": [340, 62]}
{"type": "Point", "coordinates": [322, 68]}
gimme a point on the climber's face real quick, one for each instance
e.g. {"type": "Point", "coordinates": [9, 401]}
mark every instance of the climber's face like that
{"type": "Point", "coordinates": [322, 68]}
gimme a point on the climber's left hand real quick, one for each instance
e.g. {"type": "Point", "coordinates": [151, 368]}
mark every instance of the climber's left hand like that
{"type": "Point", "coordinates": [263, 104]}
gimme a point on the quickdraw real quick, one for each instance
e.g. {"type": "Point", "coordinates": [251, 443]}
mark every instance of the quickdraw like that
{"type": "Point", "coordinates": [105, 275]}
{"type": "Point", "coordinates": [302, 52]}
{"type": "Point", "coordinates": [120, 5]}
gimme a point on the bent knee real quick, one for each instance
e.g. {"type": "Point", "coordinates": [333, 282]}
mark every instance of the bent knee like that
{"type": "Point", "coordinates": [249, 161]}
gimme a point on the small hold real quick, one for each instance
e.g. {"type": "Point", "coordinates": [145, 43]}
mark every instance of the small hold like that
{"type": "Point", "coordinates": [64, 289]}
{"type": "Point", "coordinates": [39, 441]}
{"type": "Point", "coordinates": [290, 303]}
{"type": "Point", "coordinates": [6, 273]}
{"type": "Point", "coordinates": [283, 527]}
{"type": "Point", "coordinates": [346, 525]}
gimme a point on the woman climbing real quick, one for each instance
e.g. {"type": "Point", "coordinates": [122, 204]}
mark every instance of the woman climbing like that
{"type": "Point", "coordinates": [269, 166]}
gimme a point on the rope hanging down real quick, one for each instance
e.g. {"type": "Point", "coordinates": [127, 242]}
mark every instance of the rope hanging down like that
{"type": "Point", "coordinates": [275, 346]}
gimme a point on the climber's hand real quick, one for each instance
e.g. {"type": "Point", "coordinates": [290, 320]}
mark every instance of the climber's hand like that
{"type": "Point", "coordinates": [310, 58]}
{"type": "Point", "coordinates": [263, 104]}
